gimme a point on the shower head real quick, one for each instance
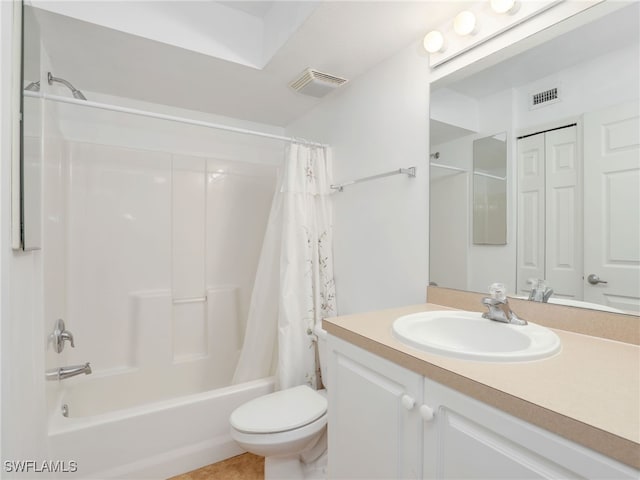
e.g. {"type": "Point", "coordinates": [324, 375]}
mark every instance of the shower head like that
{"type": "Point", "coordinates": [78, 94]}
{"type": "Point", "coordinates": [33, 87]}
{"type": "Point", "coordinates": [74, 91]}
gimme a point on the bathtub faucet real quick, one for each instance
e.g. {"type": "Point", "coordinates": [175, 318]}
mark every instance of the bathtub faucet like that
{"type": "Point", "coordinates": [66, 372]}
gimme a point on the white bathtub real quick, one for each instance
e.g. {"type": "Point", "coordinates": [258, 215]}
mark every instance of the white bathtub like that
{"type": "Point", "coordinates": [155, 440]}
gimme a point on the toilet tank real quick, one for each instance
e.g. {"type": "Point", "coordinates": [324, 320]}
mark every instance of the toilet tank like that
{"type": "Point", "coordinates": [322, 353]}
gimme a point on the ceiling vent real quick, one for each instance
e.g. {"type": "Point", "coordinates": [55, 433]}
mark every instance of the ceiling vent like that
{"type": "Point", "coordinates": [544, 98]}
{"type": "Point", "coordinates": [315, 83]}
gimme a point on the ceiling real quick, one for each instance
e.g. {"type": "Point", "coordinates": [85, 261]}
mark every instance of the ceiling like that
{"type": "Point", "coordinates": [257, 9]}
{"type": "Point", "coordinates": [342, 38]}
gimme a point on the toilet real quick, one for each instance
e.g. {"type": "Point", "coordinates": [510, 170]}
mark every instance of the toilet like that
{"type": "Point", "coordinates": [287, 427]}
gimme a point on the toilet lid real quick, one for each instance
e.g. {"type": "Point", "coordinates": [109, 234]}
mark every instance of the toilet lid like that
{"type": "Point", "coordinates": [280, 411]}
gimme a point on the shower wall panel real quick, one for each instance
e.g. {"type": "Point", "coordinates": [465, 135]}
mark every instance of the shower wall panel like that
{"type": "Point", "coordinates": [119, 242]}
{"type": "Point", "coordinates": [239, 197]}
{"type": "Point", "coordinates": [139, 227]}
{"type": "Point", "coordinates": [188, 181]}
{"type": "Point", "coordinates": [152, 235]}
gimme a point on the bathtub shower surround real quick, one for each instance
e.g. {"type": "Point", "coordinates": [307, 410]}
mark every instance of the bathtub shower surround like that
{"type": "Point", "coordinates": [151, 244]}
{"type": "Point", "coordinates": [294, 286]}
{"type": "Point", "coordinates": [159, 260]}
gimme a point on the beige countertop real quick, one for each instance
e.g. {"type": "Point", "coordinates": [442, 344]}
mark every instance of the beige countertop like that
{"type": "Point", "coordinates": [588, 393]}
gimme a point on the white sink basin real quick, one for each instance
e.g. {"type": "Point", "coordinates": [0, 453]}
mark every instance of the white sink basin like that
{"type": "Point", "coordinates": [467, 335]}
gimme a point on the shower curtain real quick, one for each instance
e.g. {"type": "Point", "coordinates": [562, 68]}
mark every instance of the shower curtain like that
{"type": "Point", "coordinates": [294, 287]}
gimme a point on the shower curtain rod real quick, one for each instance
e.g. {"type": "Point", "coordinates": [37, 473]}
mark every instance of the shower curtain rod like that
{"type": "Point", "coordinates": [411, 172]}
{"type": "Point", "coordinates": [462, 170]}
{"type": "Point", "coordinates": [162, 116]}
{"type": "Point", "coordinates": [448, 167]}
{"type": "Point", "coordinates": [488, 175]}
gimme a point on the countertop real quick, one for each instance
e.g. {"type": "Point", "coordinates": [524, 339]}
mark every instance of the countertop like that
{"type": "Point", "coordinates": [588, 393]}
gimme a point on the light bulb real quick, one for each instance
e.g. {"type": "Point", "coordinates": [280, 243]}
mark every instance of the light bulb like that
{"type": "Point", "coordinates": [434, 42]}
{"type": "Point", "coordinates": [465, 23]}
{"type": "Point", "coordinates": [504, 6]}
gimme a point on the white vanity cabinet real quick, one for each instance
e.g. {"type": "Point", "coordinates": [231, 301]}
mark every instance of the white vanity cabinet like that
{"type": "Point", "coordinates": [380, 427]}
{"type": "Point", "coordinates": [469, 439]}
{"type": "Point", "coordinates": [375, 430]}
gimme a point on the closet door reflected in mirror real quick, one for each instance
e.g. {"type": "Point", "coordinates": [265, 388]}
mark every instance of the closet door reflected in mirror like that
{"type": "Point", "coordinates": [550, 211]}
{"type": "Point", "coordinates": [490, 190]}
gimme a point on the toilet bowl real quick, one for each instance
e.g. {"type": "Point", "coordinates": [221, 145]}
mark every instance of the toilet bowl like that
{"type": "Point", "coordinates": [287, 427]}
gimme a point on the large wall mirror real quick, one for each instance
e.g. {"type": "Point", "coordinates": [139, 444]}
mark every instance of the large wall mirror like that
{"type": "Point", "coordinates": [570, 110]}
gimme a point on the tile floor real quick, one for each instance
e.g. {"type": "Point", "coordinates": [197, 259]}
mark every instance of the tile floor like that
{"type": "Point", "coordinates": [243, 467]}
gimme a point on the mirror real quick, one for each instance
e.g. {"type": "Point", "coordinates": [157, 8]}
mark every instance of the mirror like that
{"type": "Point", "coordinates": [26, 169]}
{"type": "Point", "coordinates": [31, 158]}
{"type": "Point", "coordinates": [16, 126]}
{"type": "Point", "coordinates": [576, 79]}
{"type": "Point", "coordinates": [490, 190]}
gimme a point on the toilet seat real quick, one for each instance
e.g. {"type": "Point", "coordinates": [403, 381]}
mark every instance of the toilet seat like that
{"type": "Point", "coordinates": [275, 443]}
{"type": "Point", "coordinates": [280, 411]}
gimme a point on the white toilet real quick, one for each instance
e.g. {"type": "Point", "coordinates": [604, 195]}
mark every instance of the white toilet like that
{"type": "Point", "coordinates": [287, 427]}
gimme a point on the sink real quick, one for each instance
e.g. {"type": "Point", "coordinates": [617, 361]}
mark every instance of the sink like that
{"type": "Point", "coordinates": [467, 335]}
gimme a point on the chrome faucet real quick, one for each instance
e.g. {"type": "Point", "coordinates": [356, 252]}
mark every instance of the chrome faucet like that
{"type": "Point", "coordinates": [500, 311]}
{"type": "Point", "coordinates": [67, 372]}
{"type": "Point", "coordinates": [60, 335]}
{"type": "Point", "coordinates": [499, 308]}
{"type": "Point", "coordinates": [539, 290]}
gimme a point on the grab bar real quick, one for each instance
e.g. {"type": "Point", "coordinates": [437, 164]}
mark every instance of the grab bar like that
{"type": "Point", "coordinates": [190, 300]}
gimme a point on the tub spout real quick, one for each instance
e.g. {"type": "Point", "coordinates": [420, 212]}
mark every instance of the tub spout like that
{"type": "Point", "coordinates": [66, 372]}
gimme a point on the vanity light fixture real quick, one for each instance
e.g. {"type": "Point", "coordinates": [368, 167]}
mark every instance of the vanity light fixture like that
{"type": "Point", "coordinates": [505, 6]}
{"type": "Point", "coordinates": [465, 23]}
{"type": "Point", "coordinates": [434, 42]}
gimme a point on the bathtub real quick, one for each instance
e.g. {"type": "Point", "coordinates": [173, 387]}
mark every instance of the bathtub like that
{"type": "Point", "coordinates": [144, 440]}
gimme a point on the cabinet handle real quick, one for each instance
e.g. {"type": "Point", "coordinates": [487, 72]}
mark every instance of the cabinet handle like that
{"type": "Point", "coordinates": [408, 402]}
{"type": "Point", "coordinates": [426, 413]}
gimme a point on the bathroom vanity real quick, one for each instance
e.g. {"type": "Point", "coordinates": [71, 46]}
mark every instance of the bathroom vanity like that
{"type": "Point", "coordinates": [399, 412]}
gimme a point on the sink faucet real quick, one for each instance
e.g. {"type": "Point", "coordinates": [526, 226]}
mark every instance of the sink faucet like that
{"type": "Point", "coordinates": [66, 372]}
{"type": "Point", "coordinates": [539, 290]}
{"type": "Point", "coordinates": [500, 311]}
{"type": "Point", "coordinates": [499, 308]}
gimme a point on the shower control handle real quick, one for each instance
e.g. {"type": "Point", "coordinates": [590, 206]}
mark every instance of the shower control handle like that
{"type": "Point", "coordinates": [60, 335]}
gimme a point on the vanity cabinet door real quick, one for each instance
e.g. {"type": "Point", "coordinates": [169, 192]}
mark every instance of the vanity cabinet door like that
{"type": "Point", "coordinates": [374, 428]}
{"type": "Point", "coordinates": [469, 439]}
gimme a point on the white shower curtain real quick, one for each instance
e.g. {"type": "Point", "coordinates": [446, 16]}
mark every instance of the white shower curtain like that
{"type": "Point", "coordinates": [294, 286]}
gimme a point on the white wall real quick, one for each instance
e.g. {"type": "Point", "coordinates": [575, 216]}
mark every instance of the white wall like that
{"type": "Point", "coordinates": [453, 108]}
{"type": "Point", "coordinates": [377, 123]}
